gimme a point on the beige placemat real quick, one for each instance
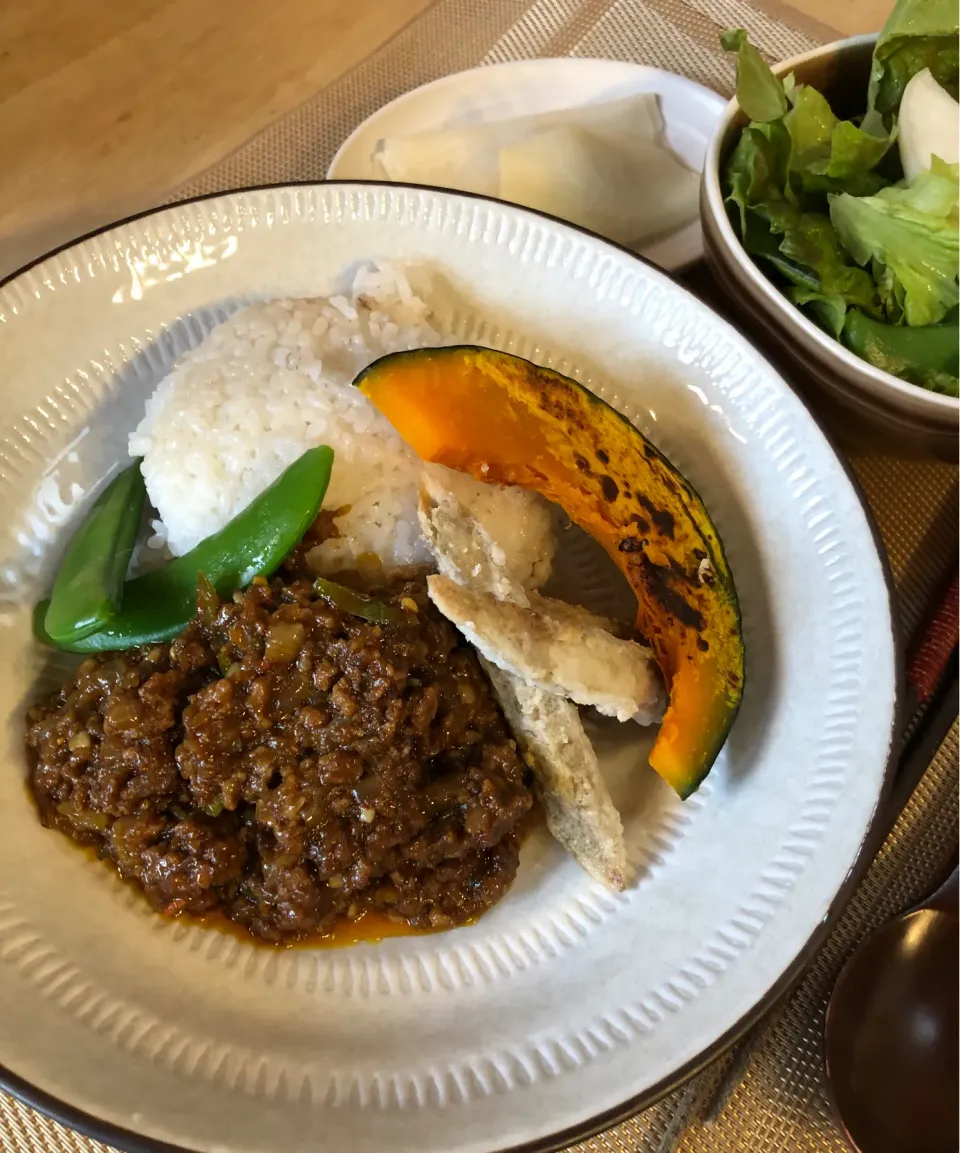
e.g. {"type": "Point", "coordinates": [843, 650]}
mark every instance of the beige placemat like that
{"type": "Point", "coordinates": [769, 1095]}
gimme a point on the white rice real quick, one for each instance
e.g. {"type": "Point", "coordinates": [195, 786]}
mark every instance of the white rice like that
{"type": "Point", "coordinates": [270, 382]}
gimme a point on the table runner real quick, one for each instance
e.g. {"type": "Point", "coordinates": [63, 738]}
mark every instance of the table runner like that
{"type": "Point", "coordinates": [768, 1095]}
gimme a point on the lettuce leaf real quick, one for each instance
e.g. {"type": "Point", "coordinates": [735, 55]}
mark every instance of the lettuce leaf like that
{"type": "Point", "coordinates": [822, 145]}
{"type": "Point", "coordinates": [759, 93]}
{"type": "Point", "coordinates": [765, 190]}
{"type": "Point", "coordinates": [812, 243]}
{"type": "Point", "coordinates": [825, 145]}
{"type": "Point", "coordinates": [832, 155]}
{"type": "Point", "coordinates": [918, 34]}
{"type": "Point", "coordinates": [757, 173]}
{"type": "Point", "coordinates": [908, 232]}
{"type": "Point", "coordinates": [805, 255]}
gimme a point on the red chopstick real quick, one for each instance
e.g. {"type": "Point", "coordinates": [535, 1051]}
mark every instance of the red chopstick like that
{"type": "Point", "coordinates": [932, 649]}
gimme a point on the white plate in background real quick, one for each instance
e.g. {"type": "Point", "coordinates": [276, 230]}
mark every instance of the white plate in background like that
{"type": "Point", "coordinates": [526, 87]}
{"type": "Point", "coordinates": [565, 1006]}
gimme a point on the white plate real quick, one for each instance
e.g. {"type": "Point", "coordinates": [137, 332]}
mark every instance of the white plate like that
{"type": "Point", "coordinates": [565, 1002]}
{"type": "Point", "coordinates": [690, 113]}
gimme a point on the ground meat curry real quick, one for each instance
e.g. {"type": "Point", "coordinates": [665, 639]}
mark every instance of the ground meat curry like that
{"type": "Point", "coordinates": [289, 764]}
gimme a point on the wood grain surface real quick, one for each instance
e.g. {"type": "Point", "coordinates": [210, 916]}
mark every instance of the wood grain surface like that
{"type": "Point", "coordinates": [108, 105]}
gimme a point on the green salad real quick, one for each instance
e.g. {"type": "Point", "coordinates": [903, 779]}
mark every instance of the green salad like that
{"type": "Point", "coordinates": [856, 220]}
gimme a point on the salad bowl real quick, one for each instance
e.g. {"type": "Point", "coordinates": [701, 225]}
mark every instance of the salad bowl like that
{"type": "Point", "coordinates": [860, 402]}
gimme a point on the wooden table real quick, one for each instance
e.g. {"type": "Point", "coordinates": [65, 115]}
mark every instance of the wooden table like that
{"type": "Point", "coordinates": [108, 105]}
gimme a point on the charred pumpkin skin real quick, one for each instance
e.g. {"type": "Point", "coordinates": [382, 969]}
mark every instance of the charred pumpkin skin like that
{"type": "Point", "coordinates": [507, 421]}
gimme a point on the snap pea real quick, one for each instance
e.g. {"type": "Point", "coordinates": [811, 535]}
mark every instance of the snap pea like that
{"type": "Point", "coordinates": [925, 355]}
{"type": "Point", "coordinates": [360, 604]}
{"type": "Point", "coordinates": [89, 583]}
{"type": "Point", "coordinates": [159, 605]}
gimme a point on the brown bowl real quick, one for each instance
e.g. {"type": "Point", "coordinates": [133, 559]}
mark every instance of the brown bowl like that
{"type": "Point", "coordinates": [861, 403]}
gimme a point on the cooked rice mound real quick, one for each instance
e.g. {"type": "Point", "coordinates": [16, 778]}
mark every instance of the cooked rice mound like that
{"type": "Point", "coordinates": [270, 382]}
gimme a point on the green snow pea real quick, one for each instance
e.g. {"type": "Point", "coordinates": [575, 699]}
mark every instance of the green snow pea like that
{"type": "Point", "coordinates": [89, 583]}
{"type": "Point", "coordinates": [159, 605]}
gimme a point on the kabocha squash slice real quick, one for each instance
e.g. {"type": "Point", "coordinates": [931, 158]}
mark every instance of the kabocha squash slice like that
{"type": "Point", "coordinates": [507, 421]}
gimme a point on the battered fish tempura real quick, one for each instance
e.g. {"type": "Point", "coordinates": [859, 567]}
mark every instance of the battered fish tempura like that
{"type": "Point", "coordinates": [507, 562]}
{"type": "Point", "coordinates": [558, 647]}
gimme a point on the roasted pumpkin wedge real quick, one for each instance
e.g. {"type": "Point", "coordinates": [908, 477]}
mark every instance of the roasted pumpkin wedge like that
{"type": "Point", "coordinates": [507, 421]}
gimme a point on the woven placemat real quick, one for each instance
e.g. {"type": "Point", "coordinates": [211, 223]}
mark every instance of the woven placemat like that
{"type": "Point", "coordinates": [769, 1094]}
